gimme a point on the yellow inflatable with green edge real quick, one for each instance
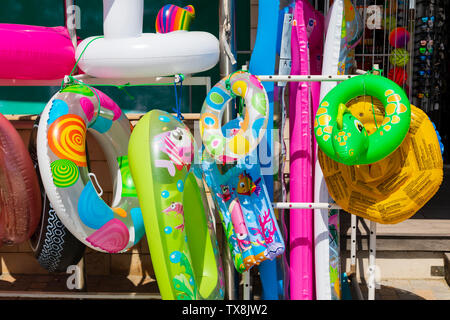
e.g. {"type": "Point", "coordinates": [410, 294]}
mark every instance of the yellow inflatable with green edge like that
{"type": "Point", "coordinates": [178, 223]}
{"type": "Point", "coordinates": [395, 188]}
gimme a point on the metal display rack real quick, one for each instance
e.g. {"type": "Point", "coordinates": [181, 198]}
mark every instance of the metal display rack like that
{"type": "Point", "coordinates": [316, 205]}
{"type": "Point", "coordinates": [279, 205]}
{"type": "Point", "coordinates": [202, 81]}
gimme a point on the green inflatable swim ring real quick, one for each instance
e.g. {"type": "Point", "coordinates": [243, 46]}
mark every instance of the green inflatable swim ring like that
{"type": "Point", "coordinates": [179, 228]}
{"type": "Point", "coordinates": [343, 137]}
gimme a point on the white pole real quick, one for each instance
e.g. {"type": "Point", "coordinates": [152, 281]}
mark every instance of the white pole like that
{"type": "Point", "coordinates": [247, 285]}
{"type": "Point", "coordinates": [353, 244]}
{"type": "Point", "coordinates": [297, 78]}
{"type": "Point", "coordinates": [372, 258]}
{"type": "Point", "coordinates": [352, 274]}
{"type": "Point", "coordinates": [305, 205]}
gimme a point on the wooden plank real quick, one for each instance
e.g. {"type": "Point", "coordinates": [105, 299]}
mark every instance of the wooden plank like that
{"type": "Point", "coordinates": [400, 244]}
{"type": "Point", "coordinates": [410, 227]}
{"type": "Point", "coordinates": [66, 295]}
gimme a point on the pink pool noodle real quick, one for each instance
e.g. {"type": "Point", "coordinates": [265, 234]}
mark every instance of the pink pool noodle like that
{"type": "Point", "coordinates": [301, 236]}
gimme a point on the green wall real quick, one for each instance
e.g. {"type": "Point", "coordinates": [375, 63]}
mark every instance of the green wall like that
{"type": "Point", "coordinates": [31, 100]}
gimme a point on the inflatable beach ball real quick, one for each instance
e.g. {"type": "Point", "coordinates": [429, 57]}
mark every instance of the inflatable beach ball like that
{"type": "Point", "coordinates": [399, 37]}
{"type": "Point", "coordinates": [399, 57]}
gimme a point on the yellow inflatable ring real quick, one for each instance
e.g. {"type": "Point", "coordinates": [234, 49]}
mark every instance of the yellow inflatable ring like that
{"type": "Point", "coordinates": [395, 188]}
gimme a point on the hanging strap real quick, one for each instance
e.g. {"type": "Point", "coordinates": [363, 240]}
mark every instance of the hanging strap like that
{"type": "Point", "coordinates": [178, 100]}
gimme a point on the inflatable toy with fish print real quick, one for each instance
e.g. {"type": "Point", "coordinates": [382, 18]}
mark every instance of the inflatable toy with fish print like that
{"type": "Point", "coordinates": [244, 206]}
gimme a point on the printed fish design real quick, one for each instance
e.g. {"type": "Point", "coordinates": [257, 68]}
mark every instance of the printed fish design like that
{"type": "Point", "coordinates": [176, 207]}
{"type": "Point", "coordinates": [226, 194]}
{"type": "Point", "coordinates": [178, 146]}
{"type": "Point", "coordinates": [237, 218]}
{"type": "Point", "coordinates": [246, 186]}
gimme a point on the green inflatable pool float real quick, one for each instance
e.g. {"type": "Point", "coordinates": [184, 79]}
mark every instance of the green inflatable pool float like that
{"type": "Point", "coordinates": [343, 138]}
{"type": "Point", "coordinates": [178, 224]}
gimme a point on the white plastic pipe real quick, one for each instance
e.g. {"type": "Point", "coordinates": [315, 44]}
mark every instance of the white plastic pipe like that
{"type": "Point", "coordinates": [123, 18]}
{"type": "Point", "coordinates": [305, 205]}
{"type": "Point", "coordinates": [299, 78]}
{"type": "Point", "coordinates": [372, 260]}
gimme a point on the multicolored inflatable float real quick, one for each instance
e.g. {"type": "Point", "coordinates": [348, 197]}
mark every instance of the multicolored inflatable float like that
{"type": "Point", "coordinates": [70, 186]}
{"type": "Point", "coordinates": [232, 171]}
{"type": "Point", "coordinates": [178, 224]}
{"type": "Point", "coordinates": [247, 216]}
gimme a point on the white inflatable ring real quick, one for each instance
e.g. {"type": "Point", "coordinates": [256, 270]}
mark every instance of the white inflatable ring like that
{"type": "Point", "coordinates": [70, 187]}
{"type": "Point", "coordinates": [252, 128]}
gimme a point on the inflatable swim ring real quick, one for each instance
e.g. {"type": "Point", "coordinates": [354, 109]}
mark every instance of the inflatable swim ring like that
{"type": "Point", "coordinates": [20, 198]}
{"type": "Point", "coordinates": [244, 206]}
{"type": "Point", "coordinates": [396, 187]}
{"type": "Point", "coordinates": [246, 139]}
{"type": "Point", "coordinates": [180, 232]}
{"type": "Point", "coordinates": [70, 187]}
{"type": "Point", "coordinates": [125, 52]}
{"type": "Point", "coordinates": [54, 247]}
{"type": "Point", "coordinates": [343, 137]}
{"type": "Point", "coordinates": [33, 52]}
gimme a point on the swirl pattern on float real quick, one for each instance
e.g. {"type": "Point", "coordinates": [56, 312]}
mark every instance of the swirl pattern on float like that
{"type": "Point", "coordinates": [65, 173]}
{"type": "Point", "coordinates": [67, 139]}
{"type": "Point", "coordinates": [112, 237]}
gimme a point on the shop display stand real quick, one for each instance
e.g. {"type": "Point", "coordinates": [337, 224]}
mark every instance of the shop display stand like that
{"type": "Point", "coordinates": [315, 205]}
{"type": "Point", "coordinates": [194, 81]}
{"type": "Point", "coordinates": [206, 81]}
